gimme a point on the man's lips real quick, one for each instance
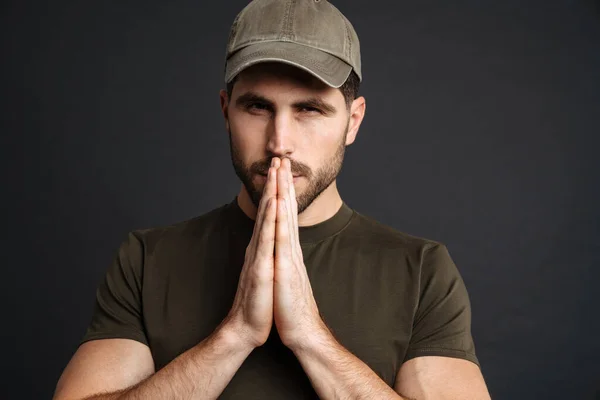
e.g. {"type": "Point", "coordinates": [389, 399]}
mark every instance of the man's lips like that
{"type": "Point", "coordinates": [295, 176]}
{"type": "Point", "coordinates": [264, 177]}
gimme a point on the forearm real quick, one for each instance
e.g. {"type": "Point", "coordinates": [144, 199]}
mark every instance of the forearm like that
{"type": "Point", "coordinates": [335, 373]}
{"type": "Point", "coordinates": [202, 372]}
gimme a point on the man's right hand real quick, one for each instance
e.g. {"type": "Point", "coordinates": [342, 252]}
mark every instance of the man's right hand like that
{"type": "Point", "coordinates": [251, 315]}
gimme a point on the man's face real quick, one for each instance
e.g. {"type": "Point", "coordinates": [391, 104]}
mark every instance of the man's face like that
{"type": "Point", "coordinates": [277, 110]}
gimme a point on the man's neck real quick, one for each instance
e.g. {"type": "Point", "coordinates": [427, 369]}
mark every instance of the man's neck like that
{"type": "Point", "coordinates": [321, 209]}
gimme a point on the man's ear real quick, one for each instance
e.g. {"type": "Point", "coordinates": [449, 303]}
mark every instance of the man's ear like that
{"type": "Point", "coordinates": [225, 107]}
{"type": "Point", "coordinates": [357, 113]}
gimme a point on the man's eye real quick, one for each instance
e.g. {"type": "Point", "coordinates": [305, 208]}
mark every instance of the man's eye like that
{"type": "Point", "coordinates": [257, 106]}
{"type": "Point", "coordinates": [310, 110]}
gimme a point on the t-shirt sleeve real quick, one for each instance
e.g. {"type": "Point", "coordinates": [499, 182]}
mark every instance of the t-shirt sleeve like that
{"type": "Point", "coordinates": [118, 307]}
{"type": "Point", "coordinates": [442, 323]}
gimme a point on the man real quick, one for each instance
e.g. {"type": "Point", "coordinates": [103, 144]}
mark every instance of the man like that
{"type": "Point", "coordinates": [285, 292]}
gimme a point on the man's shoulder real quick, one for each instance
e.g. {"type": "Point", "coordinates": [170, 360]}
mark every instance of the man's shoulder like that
{"type": "Point", "coordinates": [384, 235]}
{"type": "Point", "coordinates": [190, 228]}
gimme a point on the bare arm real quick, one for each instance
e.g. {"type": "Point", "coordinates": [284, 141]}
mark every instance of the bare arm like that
{"type": "Point", "coordinates": [433, 377]}
{"type": "Point", "coordinates": [336, 373]}
{"type": "Point", "coordinates": [111, 369]}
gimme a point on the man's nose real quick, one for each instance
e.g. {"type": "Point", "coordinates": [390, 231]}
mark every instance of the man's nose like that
{"type": "Point", "coordinates": [281, 133]}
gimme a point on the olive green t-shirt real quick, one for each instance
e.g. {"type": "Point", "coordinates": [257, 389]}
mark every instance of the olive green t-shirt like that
{"type": "Point", "coordinates": [387, 296]}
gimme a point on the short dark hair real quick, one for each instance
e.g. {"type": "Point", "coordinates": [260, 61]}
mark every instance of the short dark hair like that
{"type": "Point", "coordinates": [349, 89]}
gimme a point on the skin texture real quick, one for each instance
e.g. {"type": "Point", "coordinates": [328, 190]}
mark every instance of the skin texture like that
{"type": "Point", "coordinates": [295, 310]}
{"type": "Point", "coordinates": [274, 111]}
{"type": "Point", "coordinates": [252, 310]}
{"type": "Point", "coordinates": [318, 180]}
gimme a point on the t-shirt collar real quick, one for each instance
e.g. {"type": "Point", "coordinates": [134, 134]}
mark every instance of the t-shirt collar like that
{"type": "Point", "coordinates": [308, 234]}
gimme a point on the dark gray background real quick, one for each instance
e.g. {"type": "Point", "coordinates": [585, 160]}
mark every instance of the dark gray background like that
{"type": "Point", "coordinates": [481, 132]}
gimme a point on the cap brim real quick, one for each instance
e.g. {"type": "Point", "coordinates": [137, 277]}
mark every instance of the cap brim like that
{"type": "Point", "coordinates": [328, 68]}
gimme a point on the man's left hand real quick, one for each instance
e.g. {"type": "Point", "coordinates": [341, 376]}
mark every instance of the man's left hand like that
{"type": "Point", "coordinates": [295, 310]}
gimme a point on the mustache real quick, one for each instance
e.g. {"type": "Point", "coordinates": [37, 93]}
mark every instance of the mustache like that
{"type": "Point", "coordinates": [262, 167]}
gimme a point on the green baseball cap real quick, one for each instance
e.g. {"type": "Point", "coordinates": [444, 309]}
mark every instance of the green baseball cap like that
{"type": "Point", "coordinates": [309, 34]}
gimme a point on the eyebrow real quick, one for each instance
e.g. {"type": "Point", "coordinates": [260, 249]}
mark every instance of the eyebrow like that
{"type": "Point", "coordinates": [315, 102]}
{"type": "Point", "coordinates": [250, 97]}
{"type": "Point", "coordinates": [311, 102]}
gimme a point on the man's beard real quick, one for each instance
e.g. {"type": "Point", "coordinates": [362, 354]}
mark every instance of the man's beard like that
{"type": "Point", "coordinates": [316, 182]}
